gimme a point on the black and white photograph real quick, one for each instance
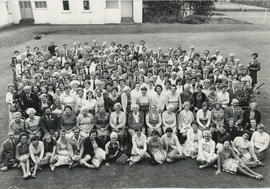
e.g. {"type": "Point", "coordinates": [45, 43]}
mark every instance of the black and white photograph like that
{"type": "Point", "coordinates": [134, 94]}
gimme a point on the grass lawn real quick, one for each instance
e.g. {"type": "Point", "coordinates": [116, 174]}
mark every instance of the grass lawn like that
{"type": "Point", "coordinates": [240, 39]}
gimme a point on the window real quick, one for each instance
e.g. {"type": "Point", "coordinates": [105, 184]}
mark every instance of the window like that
{"type": "Point", "coordinates": [112, 4]}
{"type": "Point", "coordinates": [86, 5]}
{"type": "Point", "coordinates": [65, 5]}
{"type": "Point", "coordinates": [41, 4]}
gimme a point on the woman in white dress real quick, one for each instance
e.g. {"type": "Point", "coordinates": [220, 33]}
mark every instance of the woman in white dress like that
{"type": "Point", "coordinates": [169, 119]}
{"type": "Point", "coordinates": [173, 148]}
{"type": "Point", "coordinates": [139, 147]}
{"type": "Point", "coordinates": [64, 152]}
{"type": "Point", "coordinates": [85, 122]}
{"type": "Point", "coordinates": [186, 117]}
{"type": "Point", "coordinates": [194, 135]}
{"type": "Point", "coordinates": [90, 102]}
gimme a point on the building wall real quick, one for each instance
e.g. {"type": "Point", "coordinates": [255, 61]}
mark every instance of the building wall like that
{"type": "Point", "coordinates": [54, 13]}
{"type": "Point", "coordinates": [9, 13]}
{"type": "Point", "coordinates": [138, 11]}
{"type": "Point", "coordinates": [3, 14]}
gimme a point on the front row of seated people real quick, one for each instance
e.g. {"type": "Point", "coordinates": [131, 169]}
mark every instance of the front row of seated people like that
{"type": "Point", "coordinates": [238, 155]}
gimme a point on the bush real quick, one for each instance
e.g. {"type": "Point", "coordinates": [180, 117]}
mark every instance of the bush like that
{"type": "Point", "coordinates": [175, 11]}
{"type": "Point", "coordinates": [195, 19]}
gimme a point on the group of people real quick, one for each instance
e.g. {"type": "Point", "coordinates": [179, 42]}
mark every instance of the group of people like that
{"type": "Point", "coordinates": [98, 103]}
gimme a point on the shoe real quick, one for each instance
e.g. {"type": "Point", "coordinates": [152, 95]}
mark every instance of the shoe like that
{"type": "Point", "coordinates": [52, 168]}
{"type": "Point", "coordinates": [15, 165]}
{"type": "Point", "coordinates": [34, 176]}
{"type": "Point", "coordinates": [5, 168]}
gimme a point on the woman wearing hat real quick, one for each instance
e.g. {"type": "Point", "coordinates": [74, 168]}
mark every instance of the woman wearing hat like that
{"type": "Point", "coordinates": [118, 123]}
{"type": "Point", "coordinates": [254, 66]}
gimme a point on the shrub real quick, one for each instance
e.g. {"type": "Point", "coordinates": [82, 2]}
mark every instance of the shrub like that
{"type": "Point", "coordinates": [174, 11]}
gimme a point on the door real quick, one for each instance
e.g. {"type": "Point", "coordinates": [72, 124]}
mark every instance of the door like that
{"type": "Point", "coordinates": [126, 8]}
{"type": "Point", "coordinates": [26, 9]}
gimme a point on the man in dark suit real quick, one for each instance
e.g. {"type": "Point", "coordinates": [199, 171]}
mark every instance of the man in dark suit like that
{"type": "Point", "coordinates": [234, 112]}
{"type": "Point", "coordinates": [8, 152]}
{"type": "Point", "coordinates": [49, 123]}
{"type": "Point", "coordinates": [29, 100]}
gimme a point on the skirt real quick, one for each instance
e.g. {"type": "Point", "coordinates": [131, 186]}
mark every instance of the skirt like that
{"type": "Point", "coordinates": [159, 156]}
{"type": "Point", "coordinates": [100, 156]}
{"type": "Point", "coordinates": [230, 165]}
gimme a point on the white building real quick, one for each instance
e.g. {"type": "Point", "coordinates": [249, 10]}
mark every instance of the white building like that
{"type": "Point", "coordinates": [70, 11]}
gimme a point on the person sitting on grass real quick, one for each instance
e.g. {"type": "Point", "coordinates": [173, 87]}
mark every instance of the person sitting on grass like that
{"type": "Point", "coordinates": [139, 147]}
{"type": "Point", "coordinates": [260, 141]}
{"type": "Point", "coordinates": [194, 135]}
{"type": "Point", "coordinates": [114, 152]}
{"type": "Point", "coordinates": [243, 148]}
{"type": "Point", "coordinates": [36, 151]}
{"type": "Point", "coordinates": [91, 153]}
{"type": "Point", "coordinates": [173, 148]}
{"type": "Point", "coordinates": [229, 162]}
{"type": "Point", "coordinates": [64, 151]}
{"type": "Point", "coordinates": [206, 151]}
{"type": "Point", "coordinates": [7, 153]}
{"type": "Point", "coordinates": [49, 149]}
{"type": "Point", "coordinates": [22, 155]}
{"type": "Point", "coordinates": [155, 148]}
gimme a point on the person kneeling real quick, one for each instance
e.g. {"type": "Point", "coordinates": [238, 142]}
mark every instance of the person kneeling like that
{"type": "Point", "coordinates": [172, 146]}
{"type": "Point", "coordinates": [91, 151]}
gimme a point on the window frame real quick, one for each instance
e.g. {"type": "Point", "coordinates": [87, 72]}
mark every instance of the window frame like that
{"type": "Point", "coordinates": [117, 1]}
{"type": "Point", "coordinates": [40, 4]}
{"type": "Point", "coordinates": [63, 6]}
{"type": "Point", "coordinates": [89, 5]}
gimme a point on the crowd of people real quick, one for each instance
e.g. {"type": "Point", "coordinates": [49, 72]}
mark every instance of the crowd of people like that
{"type": "Point", "coordinates": [99, 103]}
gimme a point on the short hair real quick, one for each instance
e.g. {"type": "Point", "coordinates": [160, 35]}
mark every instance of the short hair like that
{"type": "Point", "coordinates": [154, 132]}
{"type": "Point", "coordinates": [168, 130]}
{"type": "Point", "coordinates": [67, 106]}
{"type": "Point", "coordinates": [34, 138]}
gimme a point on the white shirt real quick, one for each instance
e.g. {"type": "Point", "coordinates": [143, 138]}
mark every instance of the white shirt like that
{"type": "Point", "coordinates": [259, 140]}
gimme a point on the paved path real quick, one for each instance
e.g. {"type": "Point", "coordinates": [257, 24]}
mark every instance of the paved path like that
{"type": "Point", "coordinates": [225, 6]}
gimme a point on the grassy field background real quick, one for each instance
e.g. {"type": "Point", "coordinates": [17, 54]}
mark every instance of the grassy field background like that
{"type": "Point", "coordinates": [240, 39]}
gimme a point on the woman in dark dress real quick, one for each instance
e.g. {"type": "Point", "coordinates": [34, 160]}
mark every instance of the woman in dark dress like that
{"type": "Point", "coordinates": [199, 97]}
{"type": "Point", "coordinates": [254, 66]}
